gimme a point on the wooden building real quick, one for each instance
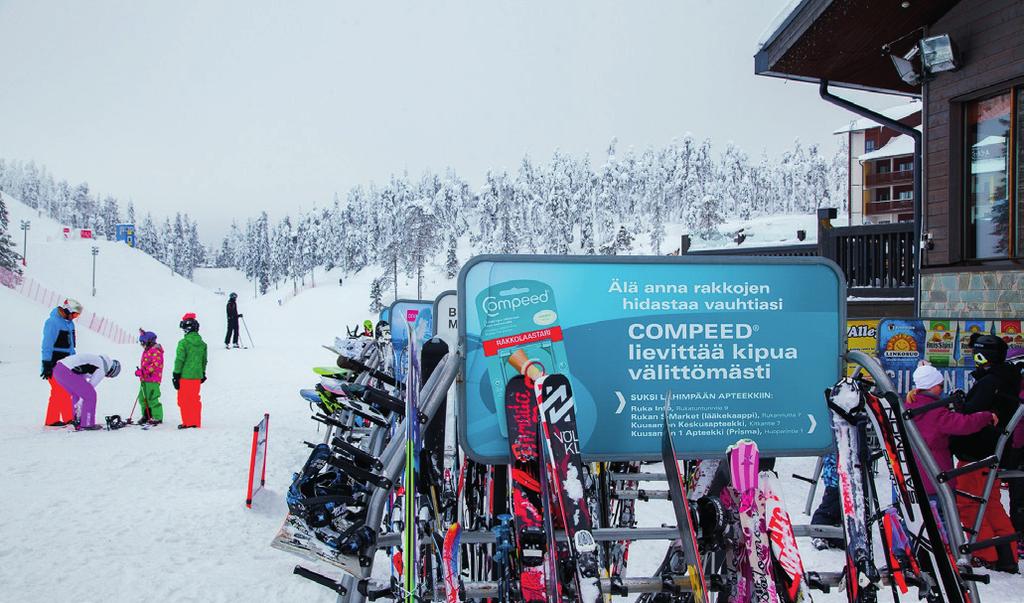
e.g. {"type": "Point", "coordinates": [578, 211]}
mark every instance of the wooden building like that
{"type": "Point", "coordinates": [969, 205]}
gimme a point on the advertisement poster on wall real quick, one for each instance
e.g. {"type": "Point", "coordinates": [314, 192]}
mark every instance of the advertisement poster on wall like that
{"type": "Point", "coordinates": [945, 343]}
{"type": "Point", "coordinates": [861, 335]}
{"type": "Point", "coordinates": [744, 350]}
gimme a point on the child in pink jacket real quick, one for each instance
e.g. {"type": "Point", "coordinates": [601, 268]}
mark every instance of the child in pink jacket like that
{"type": "Point", "coordinates": [150, 372]}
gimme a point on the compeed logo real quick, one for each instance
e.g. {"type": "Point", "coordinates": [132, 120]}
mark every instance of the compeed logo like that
{"type": "Point", "coordinates": [492, 305]}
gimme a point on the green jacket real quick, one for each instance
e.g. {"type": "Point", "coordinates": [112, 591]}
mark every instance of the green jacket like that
{"type": "Point", "coordinates": [190, 357]}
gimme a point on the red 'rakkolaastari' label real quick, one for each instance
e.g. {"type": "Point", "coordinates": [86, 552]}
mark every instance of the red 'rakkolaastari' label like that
{"type": "Point", "coordinates": [491, 346]}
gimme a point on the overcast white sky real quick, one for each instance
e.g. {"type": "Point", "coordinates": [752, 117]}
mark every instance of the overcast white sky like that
{"type": "Point", "coordinates": [222, 109]}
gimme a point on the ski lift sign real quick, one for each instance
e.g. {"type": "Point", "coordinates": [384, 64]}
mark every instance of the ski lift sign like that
{"type": "Point", "coordinates": [746, 345]}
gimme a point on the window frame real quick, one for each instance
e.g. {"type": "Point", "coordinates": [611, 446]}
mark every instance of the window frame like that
{"type": "Point", "coordinates": [961, 164]}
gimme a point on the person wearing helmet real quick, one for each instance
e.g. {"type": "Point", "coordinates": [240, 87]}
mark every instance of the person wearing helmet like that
{"type": "Point", "coordinates": [189, 372]}
{"type": "Point", "coordinates": [59, 342]}
{"type": "Point", "coordinates": [233, 316]}
{"type": "Point", "coordinates": [79, 374]}
{"type": "Point", "coordinates": [996, 390]}
{"type": "Point", "coordinates": [150, 373]}
{"type": "Point", "coordinates": [367, 328]}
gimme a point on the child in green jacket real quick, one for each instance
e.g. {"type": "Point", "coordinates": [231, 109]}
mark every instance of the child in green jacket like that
{"type": "Point", "coordinates": [189, 372]}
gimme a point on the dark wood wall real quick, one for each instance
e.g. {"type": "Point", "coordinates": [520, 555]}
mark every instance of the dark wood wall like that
{"type": "Point", "coordinates": [990, 37]}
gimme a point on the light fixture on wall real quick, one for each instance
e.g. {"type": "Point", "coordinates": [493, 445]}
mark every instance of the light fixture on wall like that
{"type": "Point", "coordinates": [935, 54]}
{"type": "Point", "coordinates": [938, 54]}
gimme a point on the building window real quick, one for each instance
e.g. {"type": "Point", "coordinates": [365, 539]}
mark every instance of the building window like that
{"type": "Point", "coordinates": [905, 195]}
{"type": "Point", "coordinates": [882, 167]}
{"type": "Point", "coordinates": [905, 166]}
{"type": "Point", "coordinates": [988, 170]}
{"type": "Point", "coordinates": [882, 194]}
{"type": "Point", "coordinates": [869, 145]}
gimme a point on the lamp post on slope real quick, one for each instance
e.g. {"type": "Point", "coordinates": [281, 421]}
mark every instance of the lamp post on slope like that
{"type": "Point", "coordinates": [25, 225]}
{"type": "Point", "coordinates": [95, 252]}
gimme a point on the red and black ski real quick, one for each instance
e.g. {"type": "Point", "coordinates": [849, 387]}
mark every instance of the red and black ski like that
{"type": "Point", "coordinates": [561, 440]}
{"type": "Point", "coordinates": [528, 503]}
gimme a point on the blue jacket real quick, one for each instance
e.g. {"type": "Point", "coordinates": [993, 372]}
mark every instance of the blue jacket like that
{"type": "Point", "coordinates": [58, 337]}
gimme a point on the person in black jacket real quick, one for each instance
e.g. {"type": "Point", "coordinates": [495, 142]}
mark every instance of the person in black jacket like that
{"type": "Point", "coordinates": [233, 316]}
{"type": "Point", "coordinates": [996, 389]}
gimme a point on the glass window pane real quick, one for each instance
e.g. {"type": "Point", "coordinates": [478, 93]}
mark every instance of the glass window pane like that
{"type": "Point", "coordinates": [1018, 219]}
{"type": "Point", "coordinates": [988, 131]}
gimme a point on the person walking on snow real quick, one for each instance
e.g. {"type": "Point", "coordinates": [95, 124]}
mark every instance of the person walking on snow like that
{"type": "Point", "coordinates": [79, 374]}
{"type": "Point", "coordinates": [150, 373]}
{"type": "Point", "coordinates": [59, 342]}
{"type": "Point", "coordinates": [189, 372]}
{"type": "Point", "coordinates": [233, 317]}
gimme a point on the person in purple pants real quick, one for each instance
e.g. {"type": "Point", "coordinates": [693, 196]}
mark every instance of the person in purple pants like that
{"type": "Point", "coordinates": [79, 374]}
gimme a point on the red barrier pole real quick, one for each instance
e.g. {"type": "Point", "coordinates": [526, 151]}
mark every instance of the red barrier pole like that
{"type": "Point", "coordinates": [252, 466]}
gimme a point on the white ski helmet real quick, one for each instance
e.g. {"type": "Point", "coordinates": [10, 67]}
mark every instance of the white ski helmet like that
{"type": "Point", "coordinates": [71, 306]}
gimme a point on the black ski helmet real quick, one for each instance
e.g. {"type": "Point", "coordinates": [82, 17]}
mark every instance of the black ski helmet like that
{"type": "Point", "coordinates": [992, 348]}
{"type": "Point", "coordinates": [189, 323]}
{"type": "Point", "coordinates": [233, 295]}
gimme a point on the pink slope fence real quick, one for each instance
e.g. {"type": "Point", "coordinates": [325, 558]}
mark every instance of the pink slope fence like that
{"type": "Point", "coordinates": [31, 289]}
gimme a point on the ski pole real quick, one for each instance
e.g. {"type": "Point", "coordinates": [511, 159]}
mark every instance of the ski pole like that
{"type": "Point", "coordinates": [133, 407]}
{"type": "Point", "coordinates": [249, 335]}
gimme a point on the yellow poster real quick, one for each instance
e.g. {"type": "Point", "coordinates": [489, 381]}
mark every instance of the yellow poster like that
{"type": "Point", "coordinates": [861, 334]}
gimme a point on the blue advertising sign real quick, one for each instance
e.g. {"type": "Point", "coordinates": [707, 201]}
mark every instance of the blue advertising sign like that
{"type": "Point", "coordinates": [126, 233]}
{"type": "Point", "coordinates": [418, 312]}
{"type": "Point", "coordinates": [746, 346]}
{"type": "Point", "coordinates": [943, 342]}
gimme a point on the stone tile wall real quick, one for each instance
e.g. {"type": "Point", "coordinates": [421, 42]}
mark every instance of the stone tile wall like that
{"type": "Point", "coordinates": [997, 294]}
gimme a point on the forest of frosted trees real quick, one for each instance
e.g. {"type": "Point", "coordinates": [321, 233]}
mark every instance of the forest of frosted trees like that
{"type": "Point", "coordinates": [562, 205]}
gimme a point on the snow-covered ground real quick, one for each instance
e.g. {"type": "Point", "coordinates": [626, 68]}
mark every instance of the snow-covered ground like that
{"type": "Point", "coordinates": [159, 515]}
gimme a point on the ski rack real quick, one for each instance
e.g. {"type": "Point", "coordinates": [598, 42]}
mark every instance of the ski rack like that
{"type": "Point", "coordinates": [919, 448]}
{"type": "Point", "coordinates": [390, 451]}
{"type": "Point", "coordinates": [432, 395]}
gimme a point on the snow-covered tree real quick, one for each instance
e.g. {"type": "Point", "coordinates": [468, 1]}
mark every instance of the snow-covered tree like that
{"type": "Point", "coordinates": [9, 258]}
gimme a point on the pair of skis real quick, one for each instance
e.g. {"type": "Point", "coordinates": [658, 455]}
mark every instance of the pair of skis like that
{"type": "Point", "coordinates": [547, 464]}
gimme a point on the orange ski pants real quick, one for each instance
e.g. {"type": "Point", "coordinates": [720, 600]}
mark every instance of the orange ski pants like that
{"type": "Point", "coordinates": [59, 408]}
{"type": "Point", "coordinates": [189, 403]}
{"type": "Point", "coordinates": [995, 523]}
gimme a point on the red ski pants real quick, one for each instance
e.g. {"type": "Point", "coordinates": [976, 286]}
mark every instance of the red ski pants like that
{"type": "Point", "coordinates": [189, 402]}
{"type": "Point", "coordinates": [59, 408]}
{"type": "Point", "coordinates": [995, 523]}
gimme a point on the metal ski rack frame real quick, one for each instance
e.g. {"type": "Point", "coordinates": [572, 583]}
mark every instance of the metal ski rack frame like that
{"type": "Point", "coordinates": [432, 394]}
{"type": "Point", "coordinates": [919, 448]}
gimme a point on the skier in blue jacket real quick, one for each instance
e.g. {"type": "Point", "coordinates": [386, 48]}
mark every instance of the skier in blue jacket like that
{"type": "Point", "coordinates": [58, 343]}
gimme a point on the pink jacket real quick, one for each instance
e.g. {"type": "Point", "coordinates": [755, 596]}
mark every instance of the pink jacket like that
{"type": "Point", "coordinates": [937, 424]}
{"type": "Point", "coordinates": [151, 367]}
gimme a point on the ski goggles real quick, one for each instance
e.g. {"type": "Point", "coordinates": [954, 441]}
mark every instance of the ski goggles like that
{"type": "Point", "coordinates": [979, 358]}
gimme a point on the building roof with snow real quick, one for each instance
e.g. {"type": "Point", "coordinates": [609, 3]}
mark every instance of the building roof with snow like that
{"type": "Point", "coordinates": [898, 112]}
{"type": "Point", "coordinates": [899, 145]}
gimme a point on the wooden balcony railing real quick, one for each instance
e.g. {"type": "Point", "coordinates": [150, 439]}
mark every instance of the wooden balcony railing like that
{"type": "Point", "coordinates": [885, 207]}
{"type": "Point", "coordinates": [877, 259]}
{"type": "Point", "coordinates": [890, 178]}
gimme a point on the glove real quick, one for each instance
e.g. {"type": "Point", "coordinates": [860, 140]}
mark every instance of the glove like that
{"type": "Point", "coordinates": [241, 315]}
{"type": "Point", "coordinates": [138, 372]}
{"type": "Point", "coordinates": [176, 380]}
{"type": "Point", "coordinates": [957, 399]}
{"type": "Point", "coordinates": [47, 371]}
{"type": "Point", "coordinates": [203, 380]}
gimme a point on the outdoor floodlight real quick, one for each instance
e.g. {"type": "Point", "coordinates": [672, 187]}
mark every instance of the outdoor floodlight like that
{"type": "Point", "coordinates": [906, 70]}
{"type": "Point", "coordinates": [938, 54]}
